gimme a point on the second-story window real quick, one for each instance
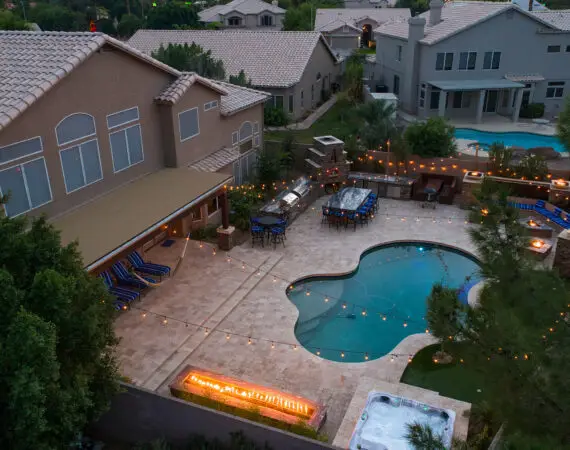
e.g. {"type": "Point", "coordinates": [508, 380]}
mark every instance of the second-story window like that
{"type": "Point", "coordinates": [444, 61]}
{"type": "Point", "coordinates": [467, 60]}
{"type": "Point", "coordinates": [553, 49]}
{"type": "Point", "coordinates": [266, 21]}
{"type": "Point", "coordinates": [125, 135]}
{"type": "Point", "coordinates": [492, 60]}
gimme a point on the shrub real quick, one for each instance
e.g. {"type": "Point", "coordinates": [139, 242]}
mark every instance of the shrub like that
{"type": "Point", "coordinates": [432, 138]}
{"type": "Point", "coordinates": [275, 117]}
{"type": "Point", "coordinates": [532, 111]}
{"type": "Point", "coordinates": [500, 157]}
{"type": "Point", "coordinates": [205, 233]}
{"type": "Point", "coordinates": [532, 167]}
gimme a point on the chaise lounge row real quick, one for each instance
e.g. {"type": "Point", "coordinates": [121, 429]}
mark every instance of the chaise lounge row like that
{"type": "Point", "coordinates": [552, 213]}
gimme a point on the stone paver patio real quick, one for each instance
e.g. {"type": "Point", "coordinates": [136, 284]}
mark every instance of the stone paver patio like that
{"type": "Point", "coordinates": [226, 295]}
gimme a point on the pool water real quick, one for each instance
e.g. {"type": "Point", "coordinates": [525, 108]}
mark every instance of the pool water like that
{"type": "Point", "coordinates": [524, 140]}
{"type": "Point", "coordinates": [366, 314]}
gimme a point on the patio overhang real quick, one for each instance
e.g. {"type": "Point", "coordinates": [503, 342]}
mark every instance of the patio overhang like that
{"type": "Point", "coordinates": [475, 85]}
{"type": "Point", "coordinates": [117, 221]}
{"type": "Point", "coordinates": [525, 78]}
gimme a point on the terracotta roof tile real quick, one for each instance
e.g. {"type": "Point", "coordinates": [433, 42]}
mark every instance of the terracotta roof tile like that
{"type": "Point", "coordinates": [330, 19]}
{"type": "Point", "coordinates": [559, 19]}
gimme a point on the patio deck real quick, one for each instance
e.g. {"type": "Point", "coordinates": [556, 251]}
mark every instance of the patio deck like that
{"type": "Point", "coordinates": [210, 291]}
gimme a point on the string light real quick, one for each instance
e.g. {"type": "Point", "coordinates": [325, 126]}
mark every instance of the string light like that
{"type": "Point", "coordinates": [366, 356]}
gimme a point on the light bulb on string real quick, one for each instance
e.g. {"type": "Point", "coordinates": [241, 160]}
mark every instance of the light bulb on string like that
{"type": "Point", "coordinates": [249, 341]}
{"type": "Point", "coordinates": [326, 299]}
{"type": "Point", "coordinates": [366, 356]}
{"type": "Point", "coordinates": [165, 321]}
{"type": "Point", "coordinates": [227, 337]}
{"type": "Point", "coordinates": [273, 345]}
{"type": "Point", "coordinates": [206, 331]}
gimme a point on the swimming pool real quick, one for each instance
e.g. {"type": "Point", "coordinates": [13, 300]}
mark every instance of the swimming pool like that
{"type": "Point", "coordinates": [365, 314]}
{"type": "Point", "coordinates": [524, 140]}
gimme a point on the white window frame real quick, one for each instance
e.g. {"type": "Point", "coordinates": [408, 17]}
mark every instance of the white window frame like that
{"type": "Point", "coordinates": [27, 188]}
{"type": "Point", "coordinates": [124, 123]}
{"type": "Point", "coordinates": [180, 129]}
{"type": "Point", "coordinates": [255, 127]}
{"type": "Point", "coordinates": [61, 144]}
{"type": "Point", "coordinates": [492, 57]}
{"type": "Point", "coordinates": [210, 105]}
{"type": "Point", "coordinates": [25, 156]}
{"type": "Point", "coordinates": [249, 138]}
{"type": "Point", "coordinates": [264, 15]}
{"type": "Point", "coordinates": [124, 130]}
{"type": "Point", "coordinates": [82, 164]}
{"type": "Point", "coordinates": [467, 69]}
{"type": "Point", "coordinates": [256, 141]}
{"type": "Point", "coordinates": [555, 87]}
{"type": "Point", "coordinates": [443, 69]}
{"type": "Point", "coordinates": [235, 138]}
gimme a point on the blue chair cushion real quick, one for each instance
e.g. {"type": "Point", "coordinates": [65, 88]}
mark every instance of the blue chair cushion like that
{"type": "Point", "coordinates": [540, 203]}
{"type": "Point", "coordinates": [257, 229]}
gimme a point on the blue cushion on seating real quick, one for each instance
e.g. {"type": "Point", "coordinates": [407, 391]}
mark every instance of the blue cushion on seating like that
{"type": "Point", "coordinates": [257, 229]}
{"type": "Point", "coordinates": [540, 203]}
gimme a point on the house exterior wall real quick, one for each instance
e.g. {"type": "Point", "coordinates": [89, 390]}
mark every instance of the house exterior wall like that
{"type": "Point", "coordinates": [338, 40]}
{"type": "Point", "coordinates": [387, 64]}
{"type": "Point", "coordinates": [109, 81]}
{"type": "Point", "coordinates": [252, 21]}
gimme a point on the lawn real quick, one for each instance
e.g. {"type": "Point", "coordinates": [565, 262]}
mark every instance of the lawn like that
{"type": "Point", "coordinates": [456, 380]}
{"type": "Point", "coordinates": [336, 121]}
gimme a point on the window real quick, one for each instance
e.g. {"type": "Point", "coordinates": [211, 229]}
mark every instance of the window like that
{"type": "Point", "coordinates": [291, 103]}
{"type": "Point", "coordinates": [81, 165]}
{"type": "Point", "coordinates": [266, 21]}
{"type": "Point", "coordinates": [492, 60]}
{"type": "Point", "coordinates": [396, 84]}
{"type": "Point", "coordinates": [457, 99]}
{"type": "Point", "coordinates": [434, 98]}
{"type": "Point", "coordinates": [444, 61]}
{"type": "Point", "coordinates": [235, 137]}
{"type": "Point", "coordinates": [568, 49]}
{"type": "Point", "coordinates": [245, 131]}
{"type": "Point", "coordinates": [234, 21]}
{"type": "Point", "coordinates": [553, 49]}
{"type": "Point", "coordinates": [422, 95]}
{"type": "Point", "coordinates": [256, 141]}
{"type": "Point", "coordinates": [255, 127]}
{"type": "Point", "coordinates": [126, 147]}
{"type": "Point", "coordinates": [122, 117]}
{"type": "Point", "coordinates": [213, 205]}
{"type": "Point", "coordinates": [74, 127]}
{"type": "Point", "coordinates": [210, 105]}
{"type": "Point", "coordinates": [20, 150]}
{"type": "Point", "coordinates": [302, 100]}
{"type": "Point", "coordinates": [312, 92]}
{"type": "Point", "coordinates": [399, 53]}
{"type": "Point", "coordinates": [28, 187]}
{"type": "Point", "coordinates": [555, 89]}
{"type": "Point", "coordinates": [278, 101]}
{"type": "Point", "coordinates": [189, 124]}
{"type": "Point", "coordinates": [467, 60]}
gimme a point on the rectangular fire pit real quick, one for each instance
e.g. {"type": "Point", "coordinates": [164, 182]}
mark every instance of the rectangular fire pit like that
{"type": "Point", "coordinates": [243, 395]}
{"type": "Point", "coordinates": [539, 247]}
{"type": "Point", "coordinates": [536, 228]}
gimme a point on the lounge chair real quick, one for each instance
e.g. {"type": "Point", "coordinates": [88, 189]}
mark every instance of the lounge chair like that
{"type": "Point", "coordinates": [140, 265]}
{"type": "Point", "coordinates": [124, 277]}
{"type": "Point", "coordinates": [123, 296]}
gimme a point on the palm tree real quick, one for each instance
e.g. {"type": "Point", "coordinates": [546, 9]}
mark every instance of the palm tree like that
{"type": "Point", "coordinates": [378, 124]}
{"type": "Point", "coordinates": [422, 437]}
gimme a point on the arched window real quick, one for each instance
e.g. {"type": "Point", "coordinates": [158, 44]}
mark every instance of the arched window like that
{"type": "Point", "coordinates": [74, 127]}
{"type": "Point", "coordinates": [245, 131]}
{"type": "Point", "coordinates": [234, 21]}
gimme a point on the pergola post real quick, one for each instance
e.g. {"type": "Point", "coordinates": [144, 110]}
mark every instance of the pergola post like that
{"type": "Point", "coordinates": [442, 103]}
{"type": "Point", "coordinates": [518, 102]}
{"type": "Point", "coordinates": [480, 105]}
{"type": "Point", "coordinates": [225, 210]}
{"type": "Point", "coordinates": [226, 231]}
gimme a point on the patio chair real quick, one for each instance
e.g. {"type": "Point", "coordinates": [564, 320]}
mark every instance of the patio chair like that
{"type": "Point", "coordinates": [431, 198]}
{"type": "Point", "coordinates": [362, 216]}
{"type": "Point", "coordinates": [277, 235]}
{"type": "Point", "coordinates": [124, 277]}
{"type": "Point", "coordinates": [351, 219]}
{"type": "Point", "coordinates": [257, 234]}
{"type": "Point", "coordinates": [121, 294]}
{"type": "Point", "coordinates": [140, 265]}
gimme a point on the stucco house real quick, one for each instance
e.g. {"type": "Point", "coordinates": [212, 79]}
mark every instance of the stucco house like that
{"type": "Point", "coordinates": [347, 29]}
{"type": "Point", "coordinates": [353, 4]}
{"type": "Point", "coordinates": [475, 59]}
{"type": "Point", "coordinates": [295, 67]}
{"type": "Point", "coordinates": [245, 14]}
{"type": "Point", "coordinates": [100, 137]}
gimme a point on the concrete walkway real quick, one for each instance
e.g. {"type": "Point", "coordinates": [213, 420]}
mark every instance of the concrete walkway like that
{"type": "Point", "coordinates": [310, 120]}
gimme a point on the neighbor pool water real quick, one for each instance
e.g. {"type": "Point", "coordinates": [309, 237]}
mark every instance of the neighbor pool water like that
{"type": "Point", "coordinates": [368, 312]}
{"type": "Point", "coordinates": [524, 140]}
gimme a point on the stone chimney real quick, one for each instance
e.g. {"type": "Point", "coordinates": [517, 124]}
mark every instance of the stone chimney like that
{"type": "Point", "coordinates": [409, 82]}
{"type": "Point", "coordinates": [435, 7]}
{"type": "Point", "coordinates": [275, 3]}
{"type": "Point", "coordinates": [416, 28]}
{"type": "Point", "coordinates": [530, 4]}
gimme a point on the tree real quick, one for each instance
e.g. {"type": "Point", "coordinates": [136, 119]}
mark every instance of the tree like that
{"type": "Point", "coordinates": [432, 138]}
{"type": "Point", "coordinates": [401, 150]}
{"type": "Point", "coordinates": [442, 313]}
{"type": "Point", "coordinates": [422, 437]}
{"type": "Point", "coordinates": [274, 116]}
{"type": "Point", "coordinates": [416, 6]}
{"type": "Point", "coordinates": [166, 15]}
{"type": "Point", "coordinates": [299, 18]}
{"type": "Point", "coordinates": [9, 21]}
{"type": "Point", "coordinates": [128, 25]}
{"type": "Point", "coordinates": [240, 79]}
{"type": "Point", "coordinates": [353, 78]}
{"type": "Point", "coordinates": [268, 168]}
{"type": "Point", "coordinates": [377, 122]}
{"type": "Point", "coordinates": [57, 18]}
{"type": "Point", "coordinates": [500, 158]}
{"type": "Point", "coordinates": [57, 369]}
{"type": "Point", "coordinates": [518, 335]}
{"type": "Point", "coordinates": [191, 58]}
{"type": "Point", "coordinates": [287, 152]}
{"type": "Point", "coordinates": [532, 167]}
{"type": "Point", "coordinates": [563, 125]}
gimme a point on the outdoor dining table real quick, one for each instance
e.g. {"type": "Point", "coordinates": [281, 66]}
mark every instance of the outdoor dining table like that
{"type": "Point", "coordinates": [268, 221]}
{"type": "Point", "coordinates": [348, 199]}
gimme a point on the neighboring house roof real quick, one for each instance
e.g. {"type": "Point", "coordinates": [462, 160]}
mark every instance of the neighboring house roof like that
{"type": "Point", "coordinates": [234, 98]}
{"type": "Point", "coordinates": [31, 63]}
{"type": "Point", "coordinates": [244, 7]}
{"type": "Point", "coordinates": [559, 19]}
{"type": "Point", "coordinates": [456, 17]}
{"type": "Point", "coordinates": [382, 3]}
{"type": "Point", "coordinates": [536, 6]}
{"type": "Point", "coordinates": [217, 160]}
{"type": "Point", "coordinates": [331, 19]}
{"type": "Point", "coordinates": [269, 58]}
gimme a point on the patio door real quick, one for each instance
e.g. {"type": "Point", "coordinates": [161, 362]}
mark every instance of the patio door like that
{"type": "Point", "coordinates": [491, 97]}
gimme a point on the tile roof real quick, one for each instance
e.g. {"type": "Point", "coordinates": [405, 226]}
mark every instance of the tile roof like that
{"type": "Point", "coordinates": [217, 160]}
{"type": "Point", "coordinates": [268, 58]}
{"type": "Point", "coordinates": [331, 19]}
{"type": "Point", "coordinates": [234, 98]}
{"type": "Point", "coordinates": [31, 63]}
{"type": "Point", "coordinates": [456, 17]}
{"type": "Point", "coordinates": [242, 6]}
{"type": "Point", "coordinates": [559, 19]}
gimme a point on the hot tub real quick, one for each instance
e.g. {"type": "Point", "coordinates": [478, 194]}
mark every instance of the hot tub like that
{"type": "Point", "coordinates": [382, 424]}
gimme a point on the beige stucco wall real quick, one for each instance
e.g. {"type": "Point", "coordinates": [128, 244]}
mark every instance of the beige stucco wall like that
{"type": "Point", "coordinates": [109, 81]}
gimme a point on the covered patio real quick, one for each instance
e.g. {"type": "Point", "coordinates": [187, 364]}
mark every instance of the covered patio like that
{"type": "Point", "coordinates": [476, 98]}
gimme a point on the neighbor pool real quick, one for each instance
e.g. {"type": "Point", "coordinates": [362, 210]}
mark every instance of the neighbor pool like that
{"type": "Point", "coordinates": [365, 314]}
{"type": "Point", "coordinates": [524, 140]}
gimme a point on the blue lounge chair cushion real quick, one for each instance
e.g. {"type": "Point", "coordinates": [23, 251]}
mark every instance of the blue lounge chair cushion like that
{"type": "Point", "coordinates": [152, 269]}
{"type": "Point", "coordinates": [540, 203]}
{"type": "Point", "coordinates": [123, 276]}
